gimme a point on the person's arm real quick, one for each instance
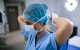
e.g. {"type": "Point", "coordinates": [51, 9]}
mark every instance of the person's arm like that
{"type": "Point", "coordinates": [64, 29]}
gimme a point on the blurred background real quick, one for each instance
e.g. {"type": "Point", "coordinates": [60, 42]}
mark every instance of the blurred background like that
{"type": "Point", "coordinates": [10, 35]}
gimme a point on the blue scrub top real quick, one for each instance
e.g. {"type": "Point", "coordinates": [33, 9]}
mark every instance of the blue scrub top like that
{"type": "Point", "coordinates": [47, 42]}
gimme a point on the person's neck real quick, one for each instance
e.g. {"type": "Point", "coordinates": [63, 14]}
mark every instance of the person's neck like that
{"type": "Point", "coordinates": [41, 34]}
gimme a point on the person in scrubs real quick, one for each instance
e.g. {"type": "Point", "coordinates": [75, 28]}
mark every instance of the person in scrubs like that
{"type": "Point", "coordinates": [33, 24]}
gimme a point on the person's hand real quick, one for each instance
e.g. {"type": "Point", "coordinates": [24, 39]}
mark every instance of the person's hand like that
{"type": "Point", "coordinates": [52, 17]}
{"type": "Point", "coordinates": [21, 20]}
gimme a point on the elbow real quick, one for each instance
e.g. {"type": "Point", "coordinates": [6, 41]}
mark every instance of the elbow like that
{"type": "Point", "coordinates": [69, 27]}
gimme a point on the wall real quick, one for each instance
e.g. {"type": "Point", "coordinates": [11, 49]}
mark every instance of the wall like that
{"type": "Point", "coordinates": [14, 1]}
{"type": "Point", "coordinates": [2, 5]}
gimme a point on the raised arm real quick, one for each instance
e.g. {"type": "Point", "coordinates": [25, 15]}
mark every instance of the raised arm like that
{"type": "Point", "coordinates": [64, 29]}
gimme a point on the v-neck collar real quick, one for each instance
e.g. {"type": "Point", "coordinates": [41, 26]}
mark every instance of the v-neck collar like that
{"type": "Point", "coordinates": [41, 39]}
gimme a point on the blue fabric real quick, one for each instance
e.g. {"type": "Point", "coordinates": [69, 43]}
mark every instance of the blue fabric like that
{"type": "Point", "coordinates": [64, 46]}
{"type": "Point", "coordinates": [35, 12]}
{"type": "Point", "coordinates": [70, 47]}
{"type": "Point", "coordinates": [47, 42]}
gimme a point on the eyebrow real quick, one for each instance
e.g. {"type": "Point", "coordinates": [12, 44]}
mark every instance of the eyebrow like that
{"type": "Point", "coordinates": [29, 21]}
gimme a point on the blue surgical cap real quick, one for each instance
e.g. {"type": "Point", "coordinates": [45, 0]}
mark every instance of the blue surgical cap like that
{"type": "Point", "coordinates": [35, 12]}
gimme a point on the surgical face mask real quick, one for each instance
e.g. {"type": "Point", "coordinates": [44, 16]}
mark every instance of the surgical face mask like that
{"type": "Point", "coordinates": [29, 29]}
